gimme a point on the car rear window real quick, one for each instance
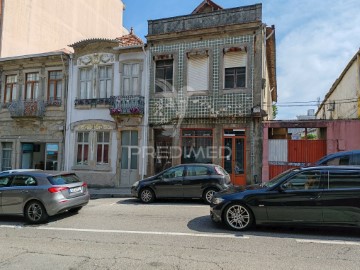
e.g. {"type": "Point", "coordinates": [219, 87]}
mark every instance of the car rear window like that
{"type": "Point", "coordinates": [64, 179]}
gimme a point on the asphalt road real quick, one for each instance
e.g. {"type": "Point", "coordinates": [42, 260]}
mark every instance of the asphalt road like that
{"type": "Point", "coordinates": [124, 234]}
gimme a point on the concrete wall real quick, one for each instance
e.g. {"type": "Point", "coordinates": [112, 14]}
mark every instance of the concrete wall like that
{"type": "Point", "coordinates": [34, 26]}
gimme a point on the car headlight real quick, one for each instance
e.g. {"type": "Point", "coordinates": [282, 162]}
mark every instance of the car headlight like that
{"type": "Point", "coordinates": [136, 184]}
{"type": "Point", "coordinates": [217, 200]}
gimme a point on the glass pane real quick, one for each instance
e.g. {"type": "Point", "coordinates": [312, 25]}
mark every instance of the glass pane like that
{"type": "Point", "coordinates": [239, 156]}
{"type": "Point", "coordinates": [99, 153]}
{"type": "Point", "coordinates": [36, 90]}
{"type": "Point", "coordinates": [106, 136]}
{"type": "Point", "coordinates": [228, 155]}
{"type": "Point", "coordinates": [126, 86]}
{"type": "Point", "coordinates": [102, 86]}
{"type": "Point", "coordinates": [106, 154]}
{"type": "Point", "coordinates": [127, 70]}
{"type": "Point", "coordinates": [134, 138]}
{"type": "Point", "coordinates": [88, 92]}
{"type": "Point", "coordinates": [51, 90]}
{"type": "Point", "coordinates": [134, 159]}
{"type": "Point", "coordinates": [125, 138]}
{"type": "Point", "coordinates": [86, 136]}
{"type": "Point", "coordinates": [82, 90]}
{"type": "Point", "coordinates": [100, 136]}
{"type": "Point", "coordinates": [135, 86]}
{"type": "Point", "coordinates": [79, 154]}
{"type": "Point", "coordinates": [124, 158]}
{"type": "Point", "coordinates": [108, 88]}
{"type": "Point", "coordinates": [59, 90]}
{"type": "Point", "coordinates": [135, 69]}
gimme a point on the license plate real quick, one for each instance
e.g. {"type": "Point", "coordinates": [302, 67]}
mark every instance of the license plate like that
{"type": "Point", "coordinates": [75, 190]}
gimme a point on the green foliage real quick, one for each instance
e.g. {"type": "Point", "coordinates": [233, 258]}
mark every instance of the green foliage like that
{"type": "Point", "coordinates": [275, 110]}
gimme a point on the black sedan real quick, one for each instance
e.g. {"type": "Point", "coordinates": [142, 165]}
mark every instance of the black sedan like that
{"type": "Point", "coordinates": [183, 181]}
{"type": "Point", "coordinates": [323, 195]}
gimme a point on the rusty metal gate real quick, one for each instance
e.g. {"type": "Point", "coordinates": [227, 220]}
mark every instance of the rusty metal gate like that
{"type": "Point", "coordinates": [285, 154]}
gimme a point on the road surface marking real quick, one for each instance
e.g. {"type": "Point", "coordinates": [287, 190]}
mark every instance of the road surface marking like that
{"type": "Point", "coordinates": [131, 232]}
{"type": "Point", "coordinates": [329, 242]}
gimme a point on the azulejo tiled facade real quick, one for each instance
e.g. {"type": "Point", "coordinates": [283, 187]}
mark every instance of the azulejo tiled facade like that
{"type": "Point", "coordinates": [117, 110]}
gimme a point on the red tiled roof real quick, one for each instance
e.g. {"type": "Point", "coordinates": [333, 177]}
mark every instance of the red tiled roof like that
{"type": "Point", "coordinates": [130, 40]}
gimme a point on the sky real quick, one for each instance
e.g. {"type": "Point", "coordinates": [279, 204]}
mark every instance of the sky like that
{"type": "Point", "coordinates": [315, 40]}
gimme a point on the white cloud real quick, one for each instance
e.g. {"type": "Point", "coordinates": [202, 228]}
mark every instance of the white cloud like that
{"type": "Point", "coordinates": [314, 44]}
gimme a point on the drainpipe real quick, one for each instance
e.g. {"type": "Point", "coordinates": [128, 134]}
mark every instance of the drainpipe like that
{"type": "Point", "coordinates": [69, 104]}
{"type": "Point", "coordinates": [146, 115]}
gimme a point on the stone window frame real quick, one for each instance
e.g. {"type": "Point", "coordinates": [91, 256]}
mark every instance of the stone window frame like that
{"type": "Point", "coordinates": [160, 56]}
{"type": "Point", "coordinates": [249, 84]}
{"type": "Point", "coordinates": [52, 102]}
{"type": "Point", "coordinates": [93, 62]}
{"type": "Point", "coordinates": [210, 54]}
{"type": "Point", "coordinates": [121, 71]}
{"type": "Point", "coordinates": [3, 88]}
{"type": "Point", "coordinates": [93, 127]}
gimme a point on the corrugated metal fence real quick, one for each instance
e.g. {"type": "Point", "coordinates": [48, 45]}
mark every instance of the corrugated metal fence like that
{"type": "Point", "coordinates": [286, 154]}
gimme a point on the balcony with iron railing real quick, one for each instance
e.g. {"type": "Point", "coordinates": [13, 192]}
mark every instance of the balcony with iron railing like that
{"type": "Point", "coordinates": [127, 106]}
{"type": "Point", "coordinates": [93, 102]}
{"type": "Point", "coordinates": [26, 108]}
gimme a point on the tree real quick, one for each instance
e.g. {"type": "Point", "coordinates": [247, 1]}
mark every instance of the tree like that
{"type": "Point", "coordinates": [275, 110]}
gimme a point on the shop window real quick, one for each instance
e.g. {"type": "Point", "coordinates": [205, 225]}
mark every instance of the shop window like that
{"type": "Point", "coordinates": [6, 156]}
{"type": "Point", "coordinates": [196, 145]}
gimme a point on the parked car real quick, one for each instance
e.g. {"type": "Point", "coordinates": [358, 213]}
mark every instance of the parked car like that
{"type": "Point", "coordinates": [18, 170]}
{"type": "Point", "coordinates": [320, 195]}
{"type": "Point", "coordinates": [37, 195]}
{"type": "Point", "coordinates": [341, 158]}
{"type": "Point", "coordinates": [183, 181]}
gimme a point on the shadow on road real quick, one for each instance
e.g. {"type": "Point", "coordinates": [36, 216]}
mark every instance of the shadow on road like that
{"type": "Point", "coordinates": [11, 220]}
{"type": "Point", "coordinates": [135, 201]}
{"type": "Point", "coordinates": [204, 224]}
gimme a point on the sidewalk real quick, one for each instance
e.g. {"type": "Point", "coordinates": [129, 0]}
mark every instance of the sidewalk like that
{"type": "Point", "coordinates": [96, 193]}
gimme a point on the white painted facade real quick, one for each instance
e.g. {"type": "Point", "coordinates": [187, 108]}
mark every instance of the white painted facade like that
{"type": "Point", "coordinates": [343, 99]}
{"type": "Point", "coordinates": [94, 119]}
{"type": "Point", "coordinates": [29, 26]}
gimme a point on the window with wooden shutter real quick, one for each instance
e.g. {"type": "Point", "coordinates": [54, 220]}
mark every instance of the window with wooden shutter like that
{"type": "Point", "coordinates": [235, 69]}
{"type": "Point", "coordinates": [198, 73]}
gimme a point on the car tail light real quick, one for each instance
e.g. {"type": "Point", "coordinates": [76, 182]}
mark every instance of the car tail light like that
{"type": "Point", "coordinates": [57, 189]}
{"type": "Point", "coordinates": [84, 184]}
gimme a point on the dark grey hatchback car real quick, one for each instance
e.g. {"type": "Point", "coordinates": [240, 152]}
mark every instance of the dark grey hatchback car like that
{"type": "Point", "coordinates": [37, 194]}
{"type": "Point", "coordinates": [183, 181]}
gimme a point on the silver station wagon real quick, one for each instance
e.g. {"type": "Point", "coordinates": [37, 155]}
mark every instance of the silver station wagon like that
{"type": "Point", "coordinates": [37, 194]}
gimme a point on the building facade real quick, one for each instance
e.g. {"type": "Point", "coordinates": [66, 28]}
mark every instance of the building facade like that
{"type": "Point", "coordinates": [32, 113]}
{"type": "Point", "coordinates": [212, 81]}
{"type": "Point", "coordinates": [29, 27]}
{"type": "Point", "coordinates": [106, 109]}
{"type": "Point", "coordinates": [343, 99]}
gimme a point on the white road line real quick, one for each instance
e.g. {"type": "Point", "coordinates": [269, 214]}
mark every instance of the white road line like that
{"type": "Point", "coordinates": [329, 242]}
{"type": "Point", "coordinates": [131, 232]}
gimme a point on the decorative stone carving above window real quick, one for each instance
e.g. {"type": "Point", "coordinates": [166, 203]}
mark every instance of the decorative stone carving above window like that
{"type": "Point", "coordinates": [95, 59]}
{"type": "Point", "coordinates": [163, 57]}
{"type": "Point", "coordinates": [235, 49]}
{"type": "Point", "coordinates": [197, 53]}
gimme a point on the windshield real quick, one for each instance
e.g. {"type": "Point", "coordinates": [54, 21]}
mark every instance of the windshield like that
{"type": "Point", "coordinates": [64, 179]}
{"type": "Point", "coordinates": [277, 179]}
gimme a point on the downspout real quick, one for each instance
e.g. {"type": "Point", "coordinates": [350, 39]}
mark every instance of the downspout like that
{"type": "Point", "coordinates": [146, 116]}
{"type": "Point", "coordinates": [68, 114]}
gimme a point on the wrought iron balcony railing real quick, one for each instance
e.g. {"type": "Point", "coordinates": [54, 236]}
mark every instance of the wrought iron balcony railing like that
{"type": "Point", "coordinates": [127, 105]}
{"type": "Point", "coordinates": [93, 102]}
{"type": "Point", "coordinates": [27, 108]}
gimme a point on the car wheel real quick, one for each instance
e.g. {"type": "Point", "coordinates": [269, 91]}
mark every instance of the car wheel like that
{"type": "Point", "coordinates": [209, 194]}
{"type": "Point", "coordinates": [147, 195]}
{"type": "Point", "coordinates": [35, 212]}
{"type": "Point", "coordinates": [238, 217]}
{"type": "Point", "coordinates": [75, 210]}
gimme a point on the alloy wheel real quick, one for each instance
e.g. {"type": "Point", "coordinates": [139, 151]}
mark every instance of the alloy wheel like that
{"type": "Point", "coordinates": [238, 217]}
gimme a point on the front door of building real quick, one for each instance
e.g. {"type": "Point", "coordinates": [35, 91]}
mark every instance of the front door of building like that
{"type": "Point", "coordinates": [129, 158]}
{"type": "Point", "coordinates": [234, 155]}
